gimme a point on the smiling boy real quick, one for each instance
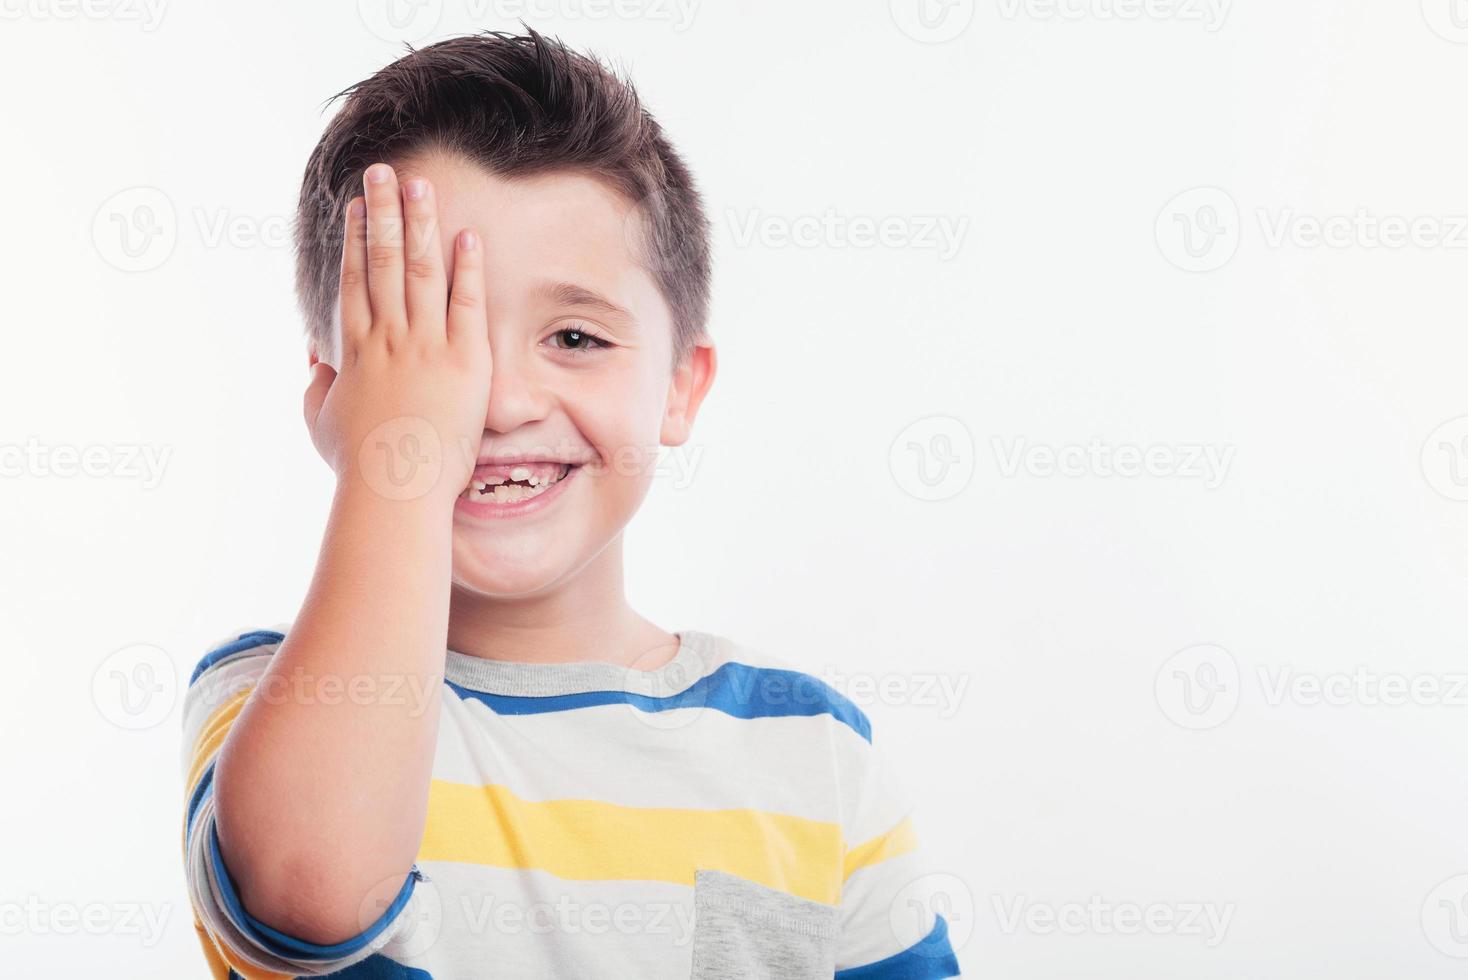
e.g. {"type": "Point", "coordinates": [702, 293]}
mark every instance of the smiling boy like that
{"type": "Point", "coordinates": [468, 755]}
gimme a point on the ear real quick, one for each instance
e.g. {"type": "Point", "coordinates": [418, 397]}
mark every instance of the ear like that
{"type": "Point", "coordinates": [321, 378]}
{"type": "Point", "coordinates": [691, 381]}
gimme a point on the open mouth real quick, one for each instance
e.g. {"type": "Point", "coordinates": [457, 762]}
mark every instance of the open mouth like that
{"type": "Point", "coordinates": [513, 484]}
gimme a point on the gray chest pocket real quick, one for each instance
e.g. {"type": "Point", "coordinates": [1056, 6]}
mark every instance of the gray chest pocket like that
{"type": "Point", "coordinates": [745, 931]}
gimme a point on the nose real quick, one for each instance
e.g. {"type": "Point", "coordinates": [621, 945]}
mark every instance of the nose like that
{"type": "Point", "coordinates": [516, 395]}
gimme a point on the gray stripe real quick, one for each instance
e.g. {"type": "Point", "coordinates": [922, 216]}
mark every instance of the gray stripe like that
{"type": "Point", "coordinates": [694, 659]}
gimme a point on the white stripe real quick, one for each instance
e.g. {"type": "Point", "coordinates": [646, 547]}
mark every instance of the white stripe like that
{"type": "Point", "coordinates": [619, 754]}
{"type": "Point", "coordinates": [879, 918]}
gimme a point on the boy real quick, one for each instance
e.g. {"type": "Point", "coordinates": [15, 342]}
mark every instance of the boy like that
{"type": "Point", "coordinates": [468, 756]}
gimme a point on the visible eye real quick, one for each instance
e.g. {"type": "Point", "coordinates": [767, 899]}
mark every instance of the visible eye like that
{"type": "Point", "coordinates": [579, 339]}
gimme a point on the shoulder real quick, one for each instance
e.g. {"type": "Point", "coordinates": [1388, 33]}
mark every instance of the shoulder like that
{"type": "Point", "coordinates": [752, 682]}
{"type": "Point", "coordinates": [870, 801]}
{"type": "Point", "coordinates": [228, 671]}
{"type": "Point", "coordinates": [235, 645]}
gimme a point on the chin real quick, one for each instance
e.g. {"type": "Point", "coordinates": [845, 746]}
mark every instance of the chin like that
{"type": "Point", "coordinates": [482, 568]}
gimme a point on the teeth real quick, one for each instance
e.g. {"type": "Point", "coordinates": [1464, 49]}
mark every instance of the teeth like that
{"type": "Point", "coordinates": [497, 490]}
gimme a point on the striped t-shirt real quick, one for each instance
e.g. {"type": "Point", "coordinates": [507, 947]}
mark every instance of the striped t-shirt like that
{"type": "Point", "coordinates": [720, 816]}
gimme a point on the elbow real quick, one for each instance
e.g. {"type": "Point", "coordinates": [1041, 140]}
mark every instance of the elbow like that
{"type": "Point", "coordinates": [310, 901]}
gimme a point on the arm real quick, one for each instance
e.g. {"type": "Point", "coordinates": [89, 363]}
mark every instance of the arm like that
{"type": "Point", "coordinates": [321, 784]}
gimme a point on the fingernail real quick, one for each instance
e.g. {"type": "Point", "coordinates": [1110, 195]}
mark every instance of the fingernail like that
{"type": "Point", "coordinates": [415, 189]}
{"type": "Point", "coordinates": [357, 208]}
{"type": "Point", "coordinates": [468, 240]}
{"type": "Point", "coordinates": [378, 173]}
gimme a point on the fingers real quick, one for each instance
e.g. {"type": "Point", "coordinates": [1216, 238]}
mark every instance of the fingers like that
{"type": "Point", "coordinates": [466, 301]}
{"type": "Point", "coordinates": [393, 277]}
{"type": "Point", "coordinates": [385, 250]}
{"type": "Point", "coordinates": [353, 304]}
{"type": "Point", "coordinates": [423, 261]}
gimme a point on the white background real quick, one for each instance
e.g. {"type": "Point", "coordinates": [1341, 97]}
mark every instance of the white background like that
{"type": "Point", "coordinates": [1086, 308]}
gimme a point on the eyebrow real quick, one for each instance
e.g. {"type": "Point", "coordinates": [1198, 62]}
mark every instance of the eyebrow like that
{"type": "Point", "coordinates": [570, 294]}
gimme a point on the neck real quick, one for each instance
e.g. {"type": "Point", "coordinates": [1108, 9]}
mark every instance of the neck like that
{"type": "Point", "coordinates": [585, 618]}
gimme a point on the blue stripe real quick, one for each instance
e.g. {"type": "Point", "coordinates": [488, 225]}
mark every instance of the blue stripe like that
{"type": "Point", "coordinates": [196, 800]}
{"type": "Point", "coordinates": [930, 958]}
{"type": "Point", "coordinates": [735, 689]}
{"type": "Point", "coordinates": [283, 945]}
{"type": "Point", "coordinates": [246, 641]}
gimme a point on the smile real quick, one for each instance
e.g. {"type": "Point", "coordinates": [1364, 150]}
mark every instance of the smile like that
{"type": "Point", "coordinates": [521, 483]}
{"type": "Point", "coordinates": [514, 490]}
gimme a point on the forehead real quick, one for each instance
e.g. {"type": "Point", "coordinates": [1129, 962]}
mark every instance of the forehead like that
{"type": "Point", "coordinates": [562, 224]}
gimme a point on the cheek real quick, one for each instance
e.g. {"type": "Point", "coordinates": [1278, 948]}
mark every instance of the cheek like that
{"type": "Point", "coordinates": [621, 414]}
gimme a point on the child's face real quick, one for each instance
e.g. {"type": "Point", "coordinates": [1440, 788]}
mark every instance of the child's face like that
{"type": "Point", "coordinates": [556, 395]}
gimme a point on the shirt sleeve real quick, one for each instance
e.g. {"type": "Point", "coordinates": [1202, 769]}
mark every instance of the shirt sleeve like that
{"type": "Point", "coordinates": [893, 925]}
{"type": "Point", "coordinates": [236, 944]}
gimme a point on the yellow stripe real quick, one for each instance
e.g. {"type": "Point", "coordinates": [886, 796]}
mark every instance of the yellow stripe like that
{"type": "Point", "coordinates": [899, 840]}
{"type": "Point", "coordinates": [591, 840]}
{"type": "Point", "coordinates": [211, 736]}
{"type": "Point", "coordinates": [218, 966]}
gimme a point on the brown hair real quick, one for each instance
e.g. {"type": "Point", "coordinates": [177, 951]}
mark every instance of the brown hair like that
{"type": "Point", "coordinates": [516, 105]}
